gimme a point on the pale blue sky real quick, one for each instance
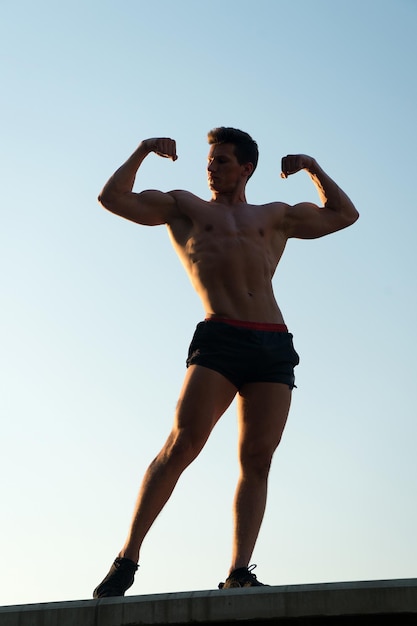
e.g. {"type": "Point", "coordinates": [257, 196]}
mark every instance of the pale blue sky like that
{"type": "Point", "coordinates": [96, 313]}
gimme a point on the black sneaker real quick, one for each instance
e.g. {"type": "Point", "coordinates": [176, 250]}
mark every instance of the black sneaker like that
{"type": "Point", "coordinates": [118, 580]}
{"type": "Point", "coordinates": [241, 577]}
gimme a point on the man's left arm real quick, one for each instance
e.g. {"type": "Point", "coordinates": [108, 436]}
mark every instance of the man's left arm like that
{"type": "Point", "coordinates": [307, 220]}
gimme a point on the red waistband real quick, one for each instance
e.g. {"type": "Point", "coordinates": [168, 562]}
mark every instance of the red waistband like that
{"type": "Point", "coordinates": [280, 328]}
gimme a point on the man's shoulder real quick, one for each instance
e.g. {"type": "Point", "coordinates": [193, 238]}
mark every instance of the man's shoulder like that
{"type": "Point", "coordinates": [271, 211]}
{"type": "Point", "coordinates": [181, 195]}
{"type": "Point", "coordinates": [275, 205]}
{"type": "Point", "coordinates": [189, 205]}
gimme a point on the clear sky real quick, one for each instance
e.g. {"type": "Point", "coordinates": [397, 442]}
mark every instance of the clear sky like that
{"type": "Point", "coordinates": [97, 313]}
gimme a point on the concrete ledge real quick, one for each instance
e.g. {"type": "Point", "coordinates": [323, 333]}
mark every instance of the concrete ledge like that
{"type": "Point", "coordinates": [374, 602]}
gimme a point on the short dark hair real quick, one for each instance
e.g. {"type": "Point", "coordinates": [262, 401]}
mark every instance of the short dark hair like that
{"type": "Point", "coordinates": [246, 149]}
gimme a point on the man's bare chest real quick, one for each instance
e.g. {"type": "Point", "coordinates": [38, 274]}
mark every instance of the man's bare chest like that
{"type": "Point", "coordinates": [223, 229]}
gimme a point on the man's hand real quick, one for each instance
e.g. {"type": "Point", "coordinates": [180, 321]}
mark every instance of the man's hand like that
{"type": "Point", "coordinates": [162, 146]}
{"type": "Point", "coordinates": [293, 163]}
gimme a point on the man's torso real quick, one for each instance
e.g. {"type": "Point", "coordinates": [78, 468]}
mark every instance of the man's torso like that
{"type": "Point", "coordinates": [230, 253]}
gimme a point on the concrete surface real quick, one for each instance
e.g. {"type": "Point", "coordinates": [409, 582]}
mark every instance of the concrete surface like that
{"type": "Point", "coordinates": [381, 603]}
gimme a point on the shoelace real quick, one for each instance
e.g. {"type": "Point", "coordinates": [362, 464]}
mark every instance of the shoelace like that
{"type": "Point", "coordinates": [250, 570]}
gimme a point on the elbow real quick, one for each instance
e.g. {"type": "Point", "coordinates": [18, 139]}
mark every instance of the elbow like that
{"type": "Point", "coordinates": [351, 215]}
{"type": "Point", "coordinates": [351, 219]}
{"type": "Point", "coordinates": [104, 199]}
{"type": "Point", "coordinates": [348, 219]}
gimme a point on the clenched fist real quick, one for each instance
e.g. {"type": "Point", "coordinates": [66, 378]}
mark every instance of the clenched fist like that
{"type": "Point", "coordinates": [162, 146]}
{"type": "Point", "coordinates": [293, 163]}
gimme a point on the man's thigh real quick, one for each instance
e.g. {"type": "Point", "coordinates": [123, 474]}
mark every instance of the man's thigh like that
{"type": "Point", "coordinates": [262, 412]}
{"type": "Point", "coordinates": [204, 397]}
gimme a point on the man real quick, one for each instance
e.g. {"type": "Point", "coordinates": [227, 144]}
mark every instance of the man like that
{"type": "Point", "coordinates": [230, 250]}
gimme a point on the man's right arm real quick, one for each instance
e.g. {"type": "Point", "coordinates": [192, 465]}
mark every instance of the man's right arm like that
{"type": "Point", "coordinates": [149, 208]}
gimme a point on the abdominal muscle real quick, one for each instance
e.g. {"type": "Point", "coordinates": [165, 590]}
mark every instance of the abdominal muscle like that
{"type": "Point", "coordinates": [234, 280]}
{"type": "Point", "coordinates": [230, 254]}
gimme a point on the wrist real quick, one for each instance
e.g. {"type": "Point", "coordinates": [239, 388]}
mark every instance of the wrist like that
{"type": "Point", "coordinates": [313, 167]}
{"type": "Point", "coordinates": [145, 145]}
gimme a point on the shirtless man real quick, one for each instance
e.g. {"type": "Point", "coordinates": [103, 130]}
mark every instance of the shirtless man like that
{"type": "Point", "coordinates": [230, 250]}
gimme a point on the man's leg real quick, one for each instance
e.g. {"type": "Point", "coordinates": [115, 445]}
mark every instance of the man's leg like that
{"type": "Point", "coordinates": [204, 398]}
{"type": "Point", "coordinates": [263, 411]}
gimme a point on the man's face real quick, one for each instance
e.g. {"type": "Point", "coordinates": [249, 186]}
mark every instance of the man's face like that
{"type": "Point", "coordinates": [223, 169]}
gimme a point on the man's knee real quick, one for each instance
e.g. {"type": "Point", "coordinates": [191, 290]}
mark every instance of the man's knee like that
{"type": "Point", "coordinates": [256, 459]}
{"type": "Point", "coordinates": [181, 447]}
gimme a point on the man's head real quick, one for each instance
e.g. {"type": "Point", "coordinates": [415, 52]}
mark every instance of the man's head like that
{"type": "Point", "coordinates": [245, 148]}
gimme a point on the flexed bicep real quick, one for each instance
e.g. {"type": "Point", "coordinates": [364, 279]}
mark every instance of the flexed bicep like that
{"type": "Point", "coordinates": [149, 208]}
{"type": "Point", "coordinates": [306, 220]}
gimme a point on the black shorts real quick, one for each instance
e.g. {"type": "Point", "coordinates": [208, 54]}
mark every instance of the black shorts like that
{"type": "Point", "coordinates": [245, 354]}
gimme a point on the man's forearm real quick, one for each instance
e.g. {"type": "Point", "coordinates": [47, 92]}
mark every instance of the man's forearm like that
{"type": "Point", "coordinates": [331, 195]}
{"type": "Point", "coordinates": [123, 179]}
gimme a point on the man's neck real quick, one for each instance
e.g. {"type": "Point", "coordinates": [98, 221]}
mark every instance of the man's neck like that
{"type": "Point", "coordinates": [236, 197]}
